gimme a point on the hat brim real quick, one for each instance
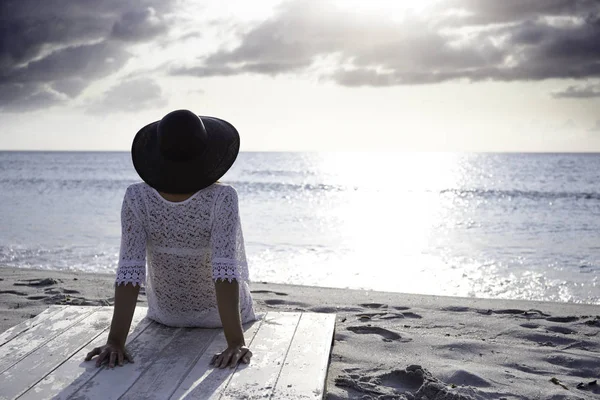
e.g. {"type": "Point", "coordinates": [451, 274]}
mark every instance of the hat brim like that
{"type": "Point", "coordinates": [182, 177]}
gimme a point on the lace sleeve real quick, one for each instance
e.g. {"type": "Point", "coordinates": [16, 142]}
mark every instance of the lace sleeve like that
{"type": "Point", "coordinates": [132, 258]}
{"type": "Point", "coordinates": [227, 241]}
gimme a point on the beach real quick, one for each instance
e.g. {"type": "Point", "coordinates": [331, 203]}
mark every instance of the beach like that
{"type": "Point", "coordinates": [394, 345]}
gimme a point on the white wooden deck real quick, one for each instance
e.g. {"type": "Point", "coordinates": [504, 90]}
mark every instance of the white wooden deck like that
{"type": "Point", "coordinates": [43, 358]}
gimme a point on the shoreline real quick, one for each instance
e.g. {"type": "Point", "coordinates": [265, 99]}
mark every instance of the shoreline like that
{"type": "Point", "coordinates": [394, 345]}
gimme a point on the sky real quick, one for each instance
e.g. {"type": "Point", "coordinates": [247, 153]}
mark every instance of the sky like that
{"type": "Point", "coordinates": [305, 75]}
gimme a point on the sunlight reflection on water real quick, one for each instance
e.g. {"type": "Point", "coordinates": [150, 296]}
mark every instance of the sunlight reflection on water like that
{"type": "Point", "coordinates": [487, 225]}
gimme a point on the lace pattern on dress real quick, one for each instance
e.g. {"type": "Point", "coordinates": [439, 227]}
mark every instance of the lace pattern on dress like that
{"type": "Point", "coordinates": [178, 251]}
{"type": "Point", "coordinates": [229, 270]}
{"type": "Point", "coordinates": [132, 259]}
{"type": "Point", "coordinates": [134, 274]}
{"type": "Point", "coordinates": [227, 241]}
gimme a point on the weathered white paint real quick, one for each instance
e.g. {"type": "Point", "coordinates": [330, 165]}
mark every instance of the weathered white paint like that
{"type": "Point", "coordinates": [291, 352]}
{"type": "Point", "coordinates": [270, 345]}
{"type": "Point", "coordinates": [16, 330]}
{"type": "Point", "coordinates": [28, 341]}
{"type": "Point", "coordinates": [161, 379]}
{"type": "Point", "coordinates": [305, 368]}
{"type": "Point", "coordinates": [112, 383]}
{"type": "Point", "coordinates": [53, 353]}
{"type": "Point", "coordinates": [203, 380]}
{"type": "Point", "coordinates": [75, 372]}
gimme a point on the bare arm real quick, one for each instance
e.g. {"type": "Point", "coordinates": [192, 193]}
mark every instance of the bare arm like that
{"type": "Point", "coordinates": [125, 301]}
{"type": "Point", "coordinates": [114, 349]}
{"type": "Point", "coordinates": [228, 302]}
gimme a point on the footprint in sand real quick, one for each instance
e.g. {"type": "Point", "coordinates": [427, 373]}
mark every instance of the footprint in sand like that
{"type": "Point", "coordinates": [562, 319]}
{"type": "Point", "coordinates": [393, 316]}
{"type": "Point", "coordinates": [373, 305]}
{"type": "Point", "coordinates": [37, 297]}
{"type": "Point", "coordinates": [13, 292]}
{"type": "Point", "coordinates": [512, 311]}
{"type": "Point", "coordinates": [411, 315]}
{"type": "Point", "coordinates": [340, 337]}
{"type": "Point", "coordinates": [386, 316]}
{"type": "Point", "coordinates": [36, 282]}
{"type": "Point", "coordinates": [386, 334]}
{"type": "Point", "coordinates": [456, 309]}
{"type": "Point", "coordinates": [366, 316]}
{"type": "Point", "coordinates": [530, 325]}
{"type": "Point", "coordinates": [561, 329]}
{"type": "Point", "coordinates": [269, 291]}
{"type": "Point", "coordinates": [330, 310]}
{"type": "Point", "coordinates": [275, 302]}
{"type": "Point", "coordinates": [413, 382]}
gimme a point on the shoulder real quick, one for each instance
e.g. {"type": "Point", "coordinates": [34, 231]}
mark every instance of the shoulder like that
{"type": "Point", "coordinates": [136, 192]}
{"type": "Point", "coordinates": [226, 196]}
{"type": "Point", "coordinates": [137, 189]}
{"type": "Point", "coordinates": [225, 190]}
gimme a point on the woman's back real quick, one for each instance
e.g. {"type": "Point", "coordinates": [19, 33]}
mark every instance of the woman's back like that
{"type": "Point", "coordinates": [188, 244]}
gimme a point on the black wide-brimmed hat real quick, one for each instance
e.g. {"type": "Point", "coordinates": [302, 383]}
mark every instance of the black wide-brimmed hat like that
{"type": "Point", "coordinates": [184, 152]}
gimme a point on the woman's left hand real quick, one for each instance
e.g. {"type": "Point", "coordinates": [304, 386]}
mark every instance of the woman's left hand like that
{"type": "Point", "coordinates": [231, 356]}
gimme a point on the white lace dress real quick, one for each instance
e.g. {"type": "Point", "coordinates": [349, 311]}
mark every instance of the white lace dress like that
{"type": "Point", "coordinates": [178, 249]}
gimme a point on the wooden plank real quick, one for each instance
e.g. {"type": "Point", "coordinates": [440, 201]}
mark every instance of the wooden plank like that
{"type": "Point", "coordinates": [112, 383]}
{"type": "Point", "coordinates": [203, 379]}
{"type": "Point", "coordinates": [305, 368]}
{"type": "Point", "coordinates": [75, 372]}
{"type": "Point", "coordinates": [16, 330]}
{"type": "Point", "coordinates": [32, 368]}
{"type": "Point", "coordinates": [27, 342]}
{"type": "Point", "coordinates": [162, 378]}
{"type": "Point", "coordinates": [291, 357]}
{"type": "Point", "coordinates": [271, 344]}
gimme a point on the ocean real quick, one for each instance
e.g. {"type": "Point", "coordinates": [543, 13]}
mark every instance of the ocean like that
{"type": "Point", "coordinates": [512, 226]}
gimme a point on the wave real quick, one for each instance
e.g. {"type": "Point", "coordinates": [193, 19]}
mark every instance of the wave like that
{"type": "Point", "coordinates": [527, 194]}
{"type": "Point", "coordinates": [275, 172]}
{"type": "Point", "coordinates": [249, 186]}
{"type": "Point", "coordinates": [42, 184]}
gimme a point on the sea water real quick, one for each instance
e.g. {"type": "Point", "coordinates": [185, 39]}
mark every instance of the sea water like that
{"type": "Point", "coordinates": [522, 226]}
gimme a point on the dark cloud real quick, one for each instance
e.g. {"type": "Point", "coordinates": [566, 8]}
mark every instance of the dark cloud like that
{"type": "Point", "coordinates": [509, 40]}
{"type": "Point", "coordinates": [130, 96]}
{"type": "Point", "coordinates": [579, 92]}
{"type": "Point", "coordinates": [70, 86]}
{"type": "Point", "coordinates": [17, 97]}
{"type": "Point", "coordinates": [53, 49]}
{"type": "Point", "coordinates": [139, 25]}
{"type": "Point", "coordinates": [510, 11]}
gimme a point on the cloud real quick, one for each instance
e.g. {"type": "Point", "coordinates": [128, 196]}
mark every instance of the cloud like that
{"type": "Point", "coordinates": [52, 50]}
{"type": "Point", "coordinates": [71, 87]}
{"type": "Point", "coordinates": [18, 97]}
{"type": "Point", "coordinates": [139, 25]}
{"type": "Point", "coordinates": [130, 96]}
{"type": "Point", "coordinates": [508, 11]}
{"type": "Point", "coordinates": [579, 92]}
{"type": "Point", "coordinates": [457, 39]}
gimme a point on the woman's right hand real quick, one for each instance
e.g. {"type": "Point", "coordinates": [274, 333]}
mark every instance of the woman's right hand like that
{"type": "Point", "coordinates": [111, 353]}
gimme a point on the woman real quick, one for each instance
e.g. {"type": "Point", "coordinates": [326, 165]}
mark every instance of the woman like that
{"type": "Point", "coordinates": [188, 226]}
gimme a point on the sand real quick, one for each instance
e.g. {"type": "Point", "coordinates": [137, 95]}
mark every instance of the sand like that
{"type": "Point", "coordinates": [393, 345]}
